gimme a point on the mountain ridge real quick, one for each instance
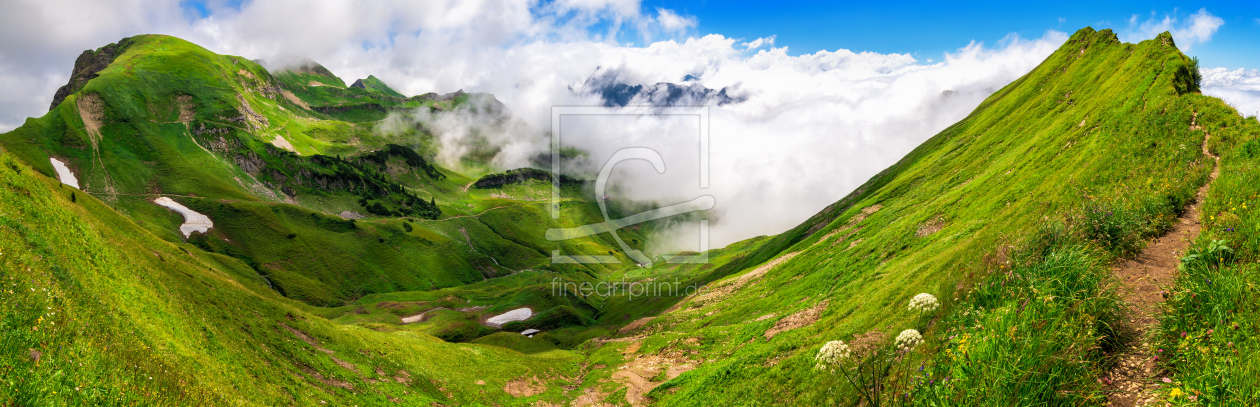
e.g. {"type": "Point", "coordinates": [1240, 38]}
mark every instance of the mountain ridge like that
{"type": "Point", "coordinates": [1038, 173]}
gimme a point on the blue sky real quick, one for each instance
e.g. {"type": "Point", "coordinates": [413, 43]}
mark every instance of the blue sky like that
{"type": "Point", "coordinates": [927, 29]}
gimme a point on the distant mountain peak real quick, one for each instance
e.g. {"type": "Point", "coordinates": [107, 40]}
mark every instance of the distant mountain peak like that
{"type": "Point", "coordinates": [309, 68]}
{"type": "Point", "coordinates": [612, 87]}
{"type": "Point", "coordinates": [373, 83]}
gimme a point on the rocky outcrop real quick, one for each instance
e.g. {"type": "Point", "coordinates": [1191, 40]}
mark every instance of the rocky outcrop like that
{"type": "Point", "coordinates": [87, 67]}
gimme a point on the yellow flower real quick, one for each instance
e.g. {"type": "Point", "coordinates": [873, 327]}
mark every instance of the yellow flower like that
{"type": "Point", "coordinates": [1175, 393]}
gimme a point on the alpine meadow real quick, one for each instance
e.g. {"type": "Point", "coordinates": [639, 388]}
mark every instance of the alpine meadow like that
{"type": "Point", "coordinates": [189, 228]}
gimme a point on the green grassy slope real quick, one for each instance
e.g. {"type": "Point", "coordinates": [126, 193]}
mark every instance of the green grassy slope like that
{"type": "Point", "coordinates": [1009, 217]}
{"type": "Point", "coordinates": [98, 311]}
{"type": "Point", "coordinates": [1099, 128]}
{"type": "Point", "coordinates": [1209, 329]}
{"type": "Point", "coordinates": [224, 136]}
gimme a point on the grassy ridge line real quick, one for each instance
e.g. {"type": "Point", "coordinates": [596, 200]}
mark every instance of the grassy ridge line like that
{"type": "Point", "coordinates": [180, 121]}
{"type": "Point", "coordinates": [1099, 127]}
{"type": "Point", "coordinates": [1208, 329]}
{"type": "Point", "coordinates": [98, 311]}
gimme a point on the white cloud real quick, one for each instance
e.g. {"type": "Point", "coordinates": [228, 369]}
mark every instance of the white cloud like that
{"type": "Point", "coordinates": [1197, 29]}
{"type": "Point", "coordinates": [813, 128]}
{"type": "Point", "coordinates": [1240, 88]}
{"type": "Point", "coordinates": [760, 42]}
{"type": "Point", "coordinates": [672, 21]}
{"type": "Point", "coordinates": [39, 40]}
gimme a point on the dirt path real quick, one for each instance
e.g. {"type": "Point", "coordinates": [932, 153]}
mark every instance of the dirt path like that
{"type": "Point", "coordinates": [1144, 279]}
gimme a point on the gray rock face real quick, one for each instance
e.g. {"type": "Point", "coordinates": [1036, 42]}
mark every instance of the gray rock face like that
{"type": "Point", "coordinates": [87, 66]}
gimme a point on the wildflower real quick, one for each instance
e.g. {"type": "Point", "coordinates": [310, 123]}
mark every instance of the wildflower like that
{"type": "Point", "coordinates": [908, 339]}
{"type": "Point", "coordinates": [924, 303]}
{"type": "Point", "coordinates": [1166, 380]}
{"type": "Point", "coordinates": [1175, 393]}
{"type": "Point", "coordinates": [831, 354]}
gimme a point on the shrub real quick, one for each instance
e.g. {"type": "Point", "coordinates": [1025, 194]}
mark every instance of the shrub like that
{"type": "Point", "coordinates": [1215, 255]}
{"type": "Point", "coordinates": [1112, 227]}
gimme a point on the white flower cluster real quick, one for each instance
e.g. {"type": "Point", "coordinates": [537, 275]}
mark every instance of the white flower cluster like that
{"type": "Point", "coordinates": [831, 354]}
{"type": "Point", "coordinates": [908, 340]}
{"type": "Point", "coordinates": [924, 303]}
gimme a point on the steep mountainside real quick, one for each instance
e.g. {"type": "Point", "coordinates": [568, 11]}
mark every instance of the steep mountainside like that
{"type": "Point", "coordinates": [1009, 217]}
{"type": "Point", "coordinates": [1084, 157]}
{"type": "Point", "coordinates": [277, 162]}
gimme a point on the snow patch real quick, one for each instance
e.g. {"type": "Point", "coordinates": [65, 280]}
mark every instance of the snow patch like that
{"type": "Point", "coordinates": [530, 332]}
{"type": "Point", "coordinates": [64, 174]}
{"type": "Point", "coordinates": [193, 221]}
{"type": "Point", "coordinates": [519, 314]}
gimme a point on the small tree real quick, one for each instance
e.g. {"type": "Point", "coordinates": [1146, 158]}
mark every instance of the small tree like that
{"type": "Point", "coordinates": [1195, 75]}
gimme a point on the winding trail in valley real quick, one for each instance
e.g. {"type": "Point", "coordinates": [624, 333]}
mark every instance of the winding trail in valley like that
{"type": "Point", "coordinates": [1143, 281]}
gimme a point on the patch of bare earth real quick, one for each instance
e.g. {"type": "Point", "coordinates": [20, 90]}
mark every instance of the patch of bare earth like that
{"type": "Point", "coordinates": [638, 323]}
{"type": "Point", "coordinates": [421, 317]}
{"type": "Point", "coordinates": [325, 380]}
{"type": "Point", "coordinates": [523, 387]}
{"type": "Point", "coordinates": [640, 370]}
{"type": "Point", "coordinates": [305, 338]}
{"type": "Point", "coordinates": [591, 398]}
{"type": "Point", "coordinates": [867, 211]}
{"type": "Point", "coordinates": [187, 111]}
{"type": "Point", "coordinates": [1143, 279]}
{"type": "Point", "coordinates": [92, 111]}
{"type": "Point", "coordinates": [296, 100]}
{"type": "Point", "coordinates": [802, 318]}
{"type": "Point", "coordinates": [344, 364]}
{"type": "Point", "coordinates": [717, 293]}
{"type": "Point", "coordinates": [281, 142]}
{"type": "Point", "coordinates": [931, 226]}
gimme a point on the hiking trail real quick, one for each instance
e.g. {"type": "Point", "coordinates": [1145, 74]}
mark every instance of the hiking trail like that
{"type": "Point", "coordinates": [1143, 280]}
